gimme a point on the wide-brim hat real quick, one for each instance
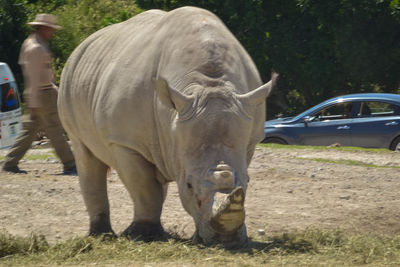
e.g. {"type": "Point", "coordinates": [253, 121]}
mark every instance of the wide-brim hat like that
{"type": "Point", "coordinates": [47, 20]}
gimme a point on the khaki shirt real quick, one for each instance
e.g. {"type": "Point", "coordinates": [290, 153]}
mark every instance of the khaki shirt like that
{"type": "Point", "coordinates": [35, 61]}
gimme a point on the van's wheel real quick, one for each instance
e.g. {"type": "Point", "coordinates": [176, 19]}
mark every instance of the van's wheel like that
{"type": "Point", "coordinates": [274, 140]}
{"type": "Point", "coordinates": [395, 144]}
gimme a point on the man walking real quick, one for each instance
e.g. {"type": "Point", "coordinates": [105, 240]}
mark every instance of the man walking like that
{"type": "Point", "coordinates": [41, 97]}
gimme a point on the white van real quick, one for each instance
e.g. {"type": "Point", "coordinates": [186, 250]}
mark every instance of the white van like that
{"type": "Point", "coordinates": [10, 108]}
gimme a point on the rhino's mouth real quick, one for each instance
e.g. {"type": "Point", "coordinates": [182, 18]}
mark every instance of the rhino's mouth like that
{"type": "Point", "coordinates": [220, 213]}
{"type": "Point", "coordinates": [233, 240]}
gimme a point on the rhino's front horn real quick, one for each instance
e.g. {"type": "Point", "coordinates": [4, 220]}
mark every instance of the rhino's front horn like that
{"type": "Point", "coordinates": [228, 211]}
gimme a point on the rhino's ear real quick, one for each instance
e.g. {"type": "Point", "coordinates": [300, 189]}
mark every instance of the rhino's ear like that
{"type": "Point", "coordinates": [173, 98]}
{"type": "Point", "coordinates": [259, 95]}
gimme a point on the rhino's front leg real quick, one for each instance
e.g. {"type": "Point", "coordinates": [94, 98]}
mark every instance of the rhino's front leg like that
{"type": "Point", "coordinates": [93, 182]}
{"type": "Point", "coordinates": [139, 177]}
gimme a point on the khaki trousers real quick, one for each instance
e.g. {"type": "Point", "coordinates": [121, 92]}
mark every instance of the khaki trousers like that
{"type": "Point", "coordinates": [46, 119]}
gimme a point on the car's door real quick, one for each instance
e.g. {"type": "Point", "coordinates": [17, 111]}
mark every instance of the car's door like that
{"type": "Point", "coordinates": [375, 125]}
{"type": "Point", "coordinates": [330, 125]}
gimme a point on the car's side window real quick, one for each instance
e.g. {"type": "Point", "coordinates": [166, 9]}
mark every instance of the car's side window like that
{"type": "Point", "coordinates": [335, 112]}
{"type": "Point", "coordinates": [377, 109]}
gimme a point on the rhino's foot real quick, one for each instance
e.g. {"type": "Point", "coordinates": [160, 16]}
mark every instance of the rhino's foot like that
{"type": "Point", "coordinates": [101, 226]}
{"type": "Point", "coordinates": [145, 231]}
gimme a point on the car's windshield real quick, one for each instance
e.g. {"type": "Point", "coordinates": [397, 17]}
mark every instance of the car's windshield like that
{"type": "Point", "coordinates": [309, 111]}
{"type": "Point", "coordinates": [8, 97]}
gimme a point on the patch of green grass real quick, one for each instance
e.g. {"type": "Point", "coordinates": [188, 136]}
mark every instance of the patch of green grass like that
{"type": "Point", "coordinates": [347, 162]}
{"type": "Point", "coordinates": [39, 156]}
{"type": "Point", "coordinates": [36, 156]}
{"type": "Point", "coordinates": [340, 148]}
{"type": "Point", "coordinates": [310, 247]}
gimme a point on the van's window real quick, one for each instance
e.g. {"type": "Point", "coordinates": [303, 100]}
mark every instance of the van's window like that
{"type": "Point", "coordinates": [8, 97]}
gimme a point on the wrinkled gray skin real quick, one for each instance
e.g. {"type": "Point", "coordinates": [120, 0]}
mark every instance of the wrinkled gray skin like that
{"type": "Point", "coordinates": [165, 97]}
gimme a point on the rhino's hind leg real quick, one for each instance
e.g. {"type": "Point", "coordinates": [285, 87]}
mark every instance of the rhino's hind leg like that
{"type": "Point", "coordinates": [93, 182]}
{"type": "Point", "coordinates": [147, 193]}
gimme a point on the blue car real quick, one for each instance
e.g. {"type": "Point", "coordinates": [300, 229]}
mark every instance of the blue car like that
{"type": "Point", "coordinates": [365, 120]}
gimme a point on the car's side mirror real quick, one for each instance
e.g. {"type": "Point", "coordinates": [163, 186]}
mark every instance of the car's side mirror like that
{"type": "Point", "coordinates": [308, 119]}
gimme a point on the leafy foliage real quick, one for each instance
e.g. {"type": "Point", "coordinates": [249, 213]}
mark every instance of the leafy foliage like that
{"type": "Point", "coordinates": [79, 18]}
{"type": "Point", "coordinates": [12, 33]}
{"type": "Point", "coordinates": [320, 48]}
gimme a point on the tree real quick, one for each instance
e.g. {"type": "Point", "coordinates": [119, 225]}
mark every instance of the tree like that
{"type": "Point", "coordinates": [13, 30]}
{"type": "Point", "coordinates": [79, 19]}
{"type": "Point", "coordinates": [320, 48]}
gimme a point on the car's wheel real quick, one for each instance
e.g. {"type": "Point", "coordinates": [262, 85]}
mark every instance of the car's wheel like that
{"type": "Point", "coordinates": [395, 144]}
{"type": "Point", "coordinates": [274, 140]}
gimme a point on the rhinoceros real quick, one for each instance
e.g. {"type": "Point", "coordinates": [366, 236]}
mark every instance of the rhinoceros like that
{"type": "Point", "coordinates": [162, 97]}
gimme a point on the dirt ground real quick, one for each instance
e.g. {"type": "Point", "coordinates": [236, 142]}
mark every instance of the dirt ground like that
{"type": "Point", "coordinates": [288, 191]}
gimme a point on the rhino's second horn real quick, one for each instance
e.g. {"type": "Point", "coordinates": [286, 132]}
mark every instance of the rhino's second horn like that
{"type": "Point", "coordinates": [222, 176]}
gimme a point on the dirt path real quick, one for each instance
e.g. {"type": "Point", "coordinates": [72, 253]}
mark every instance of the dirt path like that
{"type": "Point", "coordinates": [287, 191]}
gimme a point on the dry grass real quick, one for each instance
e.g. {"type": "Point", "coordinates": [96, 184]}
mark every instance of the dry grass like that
{"type": "Point", "coordinates": [307, 248]}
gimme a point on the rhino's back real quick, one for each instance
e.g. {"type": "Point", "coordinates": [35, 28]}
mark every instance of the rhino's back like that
{"type": "Point", "coordinates": [100, 80]}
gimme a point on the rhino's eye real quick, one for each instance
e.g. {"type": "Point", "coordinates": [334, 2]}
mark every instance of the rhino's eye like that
{"type": "Point", "coordinates": [189, 185]}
